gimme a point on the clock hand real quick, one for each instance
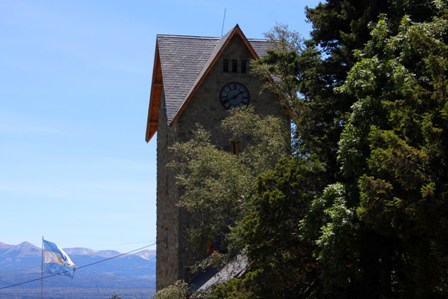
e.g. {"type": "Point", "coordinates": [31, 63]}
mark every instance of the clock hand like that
{"type": "Point", "coordinates": [235, 96]}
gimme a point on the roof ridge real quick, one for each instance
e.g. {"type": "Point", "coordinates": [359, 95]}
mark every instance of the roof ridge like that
{"type": "Point", "coordinates": [188, 36]}
{"type": "Point", "coordinates": [207, 37]}
{"type": "Point", "coordinates": [258, 40]}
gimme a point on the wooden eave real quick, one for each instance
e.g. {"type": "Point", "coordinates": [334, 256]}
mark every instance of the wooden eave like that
{"type": "Point", "coordinates": [154, 99]}
{"type": "Point", "coordinates": [236, 31]}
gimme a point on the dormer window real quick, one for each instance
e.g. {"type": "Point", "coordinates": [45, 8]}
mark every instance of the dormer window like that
{"type": "Point", "coordinates": [225, 65]}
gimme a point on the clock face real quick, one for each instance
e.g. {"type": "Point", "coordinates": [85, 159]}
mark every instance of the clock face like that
{"type": "Point", "coordinates": [233, 95]}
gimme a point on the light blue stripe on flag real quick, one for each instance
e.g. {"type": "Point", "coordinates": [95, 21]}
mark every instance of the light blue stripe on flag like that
{"type": "Point", "coordinates": [56, 261]}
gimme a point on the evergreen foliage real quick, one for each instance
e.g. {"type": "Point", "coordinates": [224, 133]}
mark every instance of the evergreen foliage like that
{"type": "Point", "coordinates": [359, 209]}
{"type": "Point", "coordinates": [398, 127]}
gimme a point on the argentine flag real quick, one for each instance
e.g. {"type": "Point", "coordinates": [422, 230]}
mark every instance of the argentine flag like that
{"type": "Point", "coordinates": [56, 261]}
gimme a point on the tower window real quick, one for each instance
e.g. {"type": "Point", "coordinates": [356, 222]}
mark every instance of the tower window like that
{"type": "Point", "coordinates": [235, 147]}
{"type": "Point", "coordinates": [234, 65]}
{"type": "Point", "coordinates": [225, 65]}
{"type": "Point", "coordinates": [243, 66]}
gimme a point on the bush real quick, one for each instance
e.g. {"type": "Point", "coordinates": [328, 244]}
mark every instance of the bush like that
{"type": "Point", "coordinates": [178, 290]}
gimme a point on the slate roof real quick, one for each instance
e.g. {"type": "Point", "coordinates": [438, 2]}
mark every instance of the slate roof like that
{"type": "Point", "coordinates": [184, 62]}
{"type": "Point", "coordinates": [234, 269]}
{"type": "Point", "coordinates": [182, 59]}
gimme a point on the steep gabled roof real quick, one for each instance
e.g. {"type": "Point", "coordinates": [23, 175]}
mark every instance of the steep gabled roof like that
{"type": "Point", "coordinates": [181, 64]}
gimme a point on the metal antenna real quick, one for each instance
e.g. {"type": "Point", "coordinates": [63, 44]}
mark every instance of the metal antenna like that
{"type": "Point", "coordinates": [223, 20]}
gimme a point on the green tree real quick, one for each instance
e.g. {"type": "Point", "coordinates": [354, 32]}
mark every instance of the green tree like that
{"type": "Point", "coordinates": [311, 77]}
{"type": "Point", "coordinates": [331, 226]}
{"type": "Point", "coordinates": [339, 28]}
{"type": "Point", "coordinates": [233, 289]}
{"type": "Point", "coordinates": [280, 68]}
{"type": "Point", "coordinates": [393, 150]}
{"type": "Point", "coordinates": [351, 259]}
{"type": "Point", "coordinates": [217, 184]}
{"type": "Point", "coordinates": [282, 261]}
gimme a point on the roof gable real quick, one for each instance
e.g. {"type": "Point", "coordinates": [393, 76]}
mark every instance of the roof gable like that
{"type": "Point", "coordinates": [180, 66]}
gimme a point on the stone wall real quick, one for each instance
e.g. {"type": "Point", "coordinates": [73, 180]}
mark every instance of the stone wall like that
{"type": "Point", "coordinates": [167, 211]}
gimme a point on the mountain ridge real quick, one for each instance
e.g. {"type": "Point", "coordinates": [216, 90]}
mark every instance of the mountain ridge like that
{"type": "Point", "coordinates": [98, 269]}
{"type": "Point", "coordinates": [71, 250]}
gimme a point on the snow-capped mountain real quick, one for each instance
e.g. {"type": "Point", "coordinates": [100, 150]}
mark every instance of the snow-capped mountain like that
{"type": "Point", "coordinates": [97, 269]}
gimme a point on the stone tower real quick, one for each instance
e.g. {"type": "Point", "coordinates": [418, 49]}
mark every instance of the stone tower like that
{"type": "Point", "coordinates": [195, 80]}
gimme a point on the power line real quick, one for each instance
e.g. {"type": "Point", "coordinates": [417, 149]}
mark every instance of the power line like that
{"type": "Point", "coordinates": [84, 266]}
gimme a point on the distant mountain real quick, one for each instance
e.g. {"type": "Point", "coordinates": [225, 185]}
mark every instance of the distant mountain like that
{"type": "Point", "coordinates": [86, 251]}
{"type": "Point", "coordinates": [24, 249]}
{"type": "Point", "coordinates": [22, 262]}
{"type": "Point", "coordinates": [146, 254]}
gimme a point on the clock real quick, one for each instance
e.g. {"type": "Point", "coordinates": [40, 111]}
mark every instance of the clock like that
{"type": "Point", "coordinates": [234, 95]}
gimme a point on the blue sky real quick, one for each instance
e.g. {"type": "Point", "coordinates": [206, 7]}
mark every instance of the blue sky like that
{"type": "Point", "coordinates": [74, 92]}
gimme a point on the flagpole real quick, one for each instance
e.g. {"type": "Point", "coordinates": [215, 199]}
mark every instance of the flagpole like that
{"type": "Point", "coordinates": [42, 272]}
